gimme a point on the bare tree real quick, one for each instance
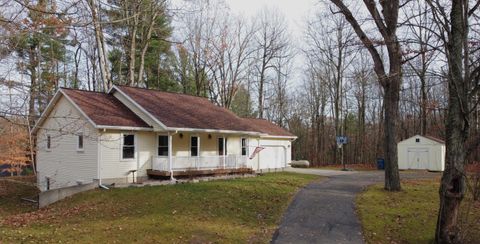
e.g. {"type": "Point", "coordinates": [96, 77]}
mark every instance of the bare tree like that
{"type": "Point", "coordinates": [270, 41]}
{"type": "Point", "coordinates": [386, 22]}
{"type": "Point", "coordinates": [228, 58]}
{"type": "Point", "coordinates": [463, 86]}
{"type": "Point", "coordinates": [329, 41]}
{"type": "Point", "coordinates": [100, 43]}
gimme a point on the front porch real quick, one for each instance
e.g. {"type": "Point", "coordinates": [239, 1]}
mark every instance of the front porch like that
{"type": "Point", "coordinates": [195, 154]}
{"type": "Point", "coordinates": [201, 165]}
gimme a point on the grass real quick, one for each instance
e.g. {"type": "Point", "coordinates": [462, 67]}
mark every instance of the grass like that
{"type": "Point", "coordinates": [233, 211]}
{"type": "Point", "coordinates": [11, 194]}
{"type": "Point", "coordinates": [408, 216]}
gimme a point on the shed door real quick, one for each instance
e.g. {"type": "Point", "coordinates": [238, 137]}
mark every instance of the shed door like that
{"type": "Point", "coordinates": [418, 158]}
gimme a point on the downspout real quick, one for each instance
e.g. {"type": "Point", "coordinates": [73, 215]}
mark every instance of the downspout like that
{"type": "Point", "coordinates": [99, 160]}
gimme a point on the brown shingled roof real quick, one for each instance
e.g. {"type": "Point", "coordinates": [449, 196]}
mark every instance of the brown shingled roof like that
{"type": "Point", "coordinates": [185, 111]}
{"type": "Point", "coordinates": [435, 139]}
{"type": "Point", "coordinates": [265, 126]}
{"type": "Point", "coordinates": [104, 109]}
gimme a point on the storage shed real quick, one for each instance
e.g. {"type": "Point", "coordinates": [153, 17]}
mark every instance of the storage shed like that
{"type": "Point", "coordinates": [421, 152]}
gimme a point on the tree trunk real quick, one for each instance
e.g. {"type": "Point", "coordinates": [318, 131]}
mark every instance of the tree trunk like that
{"type": "Point", "coordinates": [452, 188]}
{"type": "Point", "coordinates": [391, 101]}
{"type": "Point", "coordinates": [105, 72]}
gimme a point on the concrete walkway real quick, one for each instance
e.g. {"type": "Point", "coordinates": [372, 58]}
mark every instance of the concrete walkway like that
{"type": "Point", "coordinates": [324, 212]}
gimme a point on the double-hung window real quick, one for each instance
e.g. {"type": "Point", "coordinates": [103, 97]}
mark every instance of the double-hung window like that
{"type": "Point", "coordinates": [194, 146]}
{"type": "Point", "coordinates": [244, 147]}
{"type": "Point", "coordinates": [128, 146]}
{"type": "Point", "coordinates": [162, 145]}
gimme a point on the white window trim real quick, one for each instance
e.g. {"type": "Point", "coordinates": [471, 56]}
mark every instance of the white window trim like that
{"type": "Point", "coordinates": [198, 146]}
{"type": "Point", "coordinates": [48, 138]}
{"type": "Point", "coordinates": [157, 144]}
{"type": "Point", "coordinates": [78, 142]}
{"type": "Point", "coordinates": [246, 146]}
{"type": "Point", "coordinates": [134, 146]}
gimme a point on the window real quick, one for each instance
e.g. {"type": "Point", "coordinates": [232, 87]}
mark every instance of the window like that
{"type": "Point", "coordinates": [162, 145]}
{"type": "Point", "coordinates": [49, 142]}
{"type": "Point", "coordinates": [80, 142]}
{"type": "Point", "coordinates": [128, 146]}
{"type": "Point", "coordinates": [244, 147]}
{"type": "Point", "coordinates": [417, 140]}
{"type": "Point", "coordinates": [194, 146]}
{"type": "Point", "coordinates": [221, 146]}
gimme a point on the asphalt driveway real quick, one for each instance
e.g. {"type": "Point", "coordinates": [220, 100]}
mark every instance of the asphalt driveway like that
{"type": "Point", "coordinates": [324, 212]}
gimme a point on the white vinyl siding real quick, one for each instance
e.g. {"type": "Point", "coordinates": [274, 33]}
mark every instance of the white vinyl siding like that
{"type": "Point", "coordinates": [112, 166]}
{"type": "Point", "coordinates": [62, 163]}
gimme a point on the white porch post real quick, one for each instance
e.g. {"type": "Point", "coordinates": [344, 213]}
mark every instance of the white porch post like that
{"type": "Point", "coordinates": [224, 150]}
{"type": "Point", "coordinates": [170, 166]}
{"type": "Point", "coordinates": [197, 160]}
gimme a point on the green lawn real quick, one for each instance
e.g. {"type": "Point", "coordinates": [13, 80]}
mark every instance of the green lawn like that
{"type": "Point", "coordinates": [242, 210]}
{"type": "Point", "coordinates": [408, 216]}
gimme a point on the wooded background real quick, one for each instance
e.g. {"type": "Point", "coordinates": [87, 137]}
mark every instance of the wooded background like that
{"type": "Point", "coordinates": [203, 48]}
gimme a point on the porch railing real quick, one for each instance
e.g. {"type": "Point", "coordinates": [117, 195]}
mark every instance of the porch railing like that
{"type": "Point", "coordinates": [182, 163]}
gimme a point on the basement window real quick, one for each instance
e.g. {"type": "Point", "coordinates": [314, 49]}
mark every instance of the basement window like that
{"type": "Point", "coordinates": [128, 146]}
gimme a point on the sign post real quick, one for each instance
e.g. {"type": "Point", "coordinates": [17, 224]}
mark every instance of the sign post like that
{"type": "Point", "coordinates": [342, 140]}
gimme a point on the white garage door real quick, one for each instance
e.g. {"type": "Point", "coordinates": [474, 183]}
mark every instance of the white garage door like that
{"type": "Point", "coordinates": [418, 158]}
{"type": "Point", "coordinates": [272, 157]}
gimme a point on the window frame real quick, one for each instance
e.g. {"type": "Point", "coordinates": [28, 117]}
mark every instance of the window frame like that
{"type": "Point", "coordinates": [198, 146]}
{"type": "Point", "coordinates": [80, 149]}
{"type": "Point", "coordinates": [158, 145]}
{"type": "Point", "coordinates": [122, 141]}
{"type": "Point", "coordinates": [243, 139]}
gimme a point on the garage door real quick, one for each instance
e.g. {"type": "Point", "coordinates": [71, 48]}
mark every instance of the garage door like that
{"type": "Point", "coordinates": [272, 157]}
{"type": "Point", "coordinates": [418, 158]}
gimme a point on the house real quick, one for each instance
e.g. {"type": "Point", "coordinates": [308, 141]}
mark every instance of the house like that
{"type": "Point", "coordinates": [129, 134]}
{"type": "Point", "coordinates": [421, 152]}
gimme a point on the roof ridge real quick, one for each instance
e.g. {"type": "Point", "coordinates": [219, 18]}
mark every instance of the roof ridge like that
{"type": "Point", "coordinates": [169, 92]}
{"type": "Point", "coordinates": [81, 90]}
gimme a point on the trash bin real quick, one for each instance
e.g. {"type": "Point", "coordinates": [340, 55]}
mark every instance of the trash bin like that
{"type": "Point", "coordinates": [380, 163]}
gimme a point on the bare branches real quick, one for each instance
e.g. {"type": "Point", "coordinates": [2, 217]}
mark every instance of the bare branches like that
{"type": "Point", "coordinates": [367, 42]}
